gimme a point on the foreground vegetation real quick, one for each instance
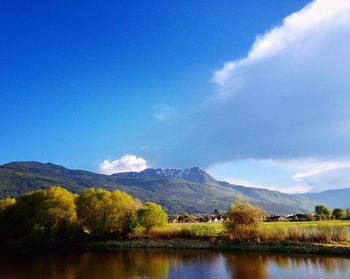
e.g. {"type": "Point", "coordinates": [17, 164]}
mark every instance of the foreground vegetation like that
{"type": "Point", "coordinates": [245, 224]}
{"type": "Point", "coordinates": [55, 215]}
{"type": "Point", "coordinates": [217, 229]}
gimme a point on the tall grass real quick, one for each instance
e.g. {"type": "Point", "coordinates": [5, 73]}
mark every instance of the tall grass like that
{"type": "Point", "coordinates": [314, 234]}
{"type": "Point", "coordinates": [179, 232]}
{"type": "Point", "coordinates": [273, 232]}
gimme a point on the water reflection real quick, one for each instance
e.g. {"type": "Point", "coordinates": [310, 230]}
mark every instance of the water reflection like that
{"type": "Point", "coordinates": [172, 264]}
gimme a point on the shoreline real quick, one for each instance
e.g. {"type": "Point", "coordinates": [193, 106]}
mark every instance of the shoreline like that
{"type": "Point", "coordinates": [336, 249]}
{"type": "Point", "coordinates": [342, 249]}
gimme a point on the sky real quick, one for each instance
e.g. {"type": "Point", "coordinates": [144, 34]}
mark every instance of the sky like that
{"type": "Point", "coordinates": [255, 92]}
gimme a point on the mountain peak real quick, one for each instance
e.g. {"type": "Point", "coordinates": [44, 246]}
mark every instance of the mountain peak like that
{"type": "Point", "coordinates": [194, 174]}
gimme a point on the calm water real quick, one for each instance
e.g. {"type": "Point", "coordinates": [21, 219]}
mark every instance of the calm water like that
{"type": "Point", "coordinates": [173, 264]}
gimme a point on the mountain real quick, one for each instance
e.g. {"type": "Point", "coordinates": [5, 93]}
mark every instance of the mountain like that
{"type": "Point", "coordinates": [191, 190]}
{"type": "Point", "coordinates": [332, 198]}
{"type": "Point", "coordinates": [196, 175]}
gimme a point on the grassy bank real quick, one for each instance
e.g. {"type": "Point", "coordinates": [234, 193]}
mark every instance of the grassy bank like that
{"type": "Point", "coordinates": [281, 247]}
{"type": "Point", "coordinates": [216, 229]}
{"type": "Point", "coordinates": [324, 237]}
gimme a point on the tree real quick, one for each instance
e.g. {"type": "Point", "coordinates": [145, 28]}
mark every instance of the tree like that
{"type": "Point", "coordinates": [5, 203]}
{"type": "Point", "coordinates": [322, 212]}
{"type": "Point", "coordinates": [216, 212]}
{"type": "Point", "coordinates": [102, 212]}
{"type": "Point", "coordinates": [152, 215]}
{"type": "Point", "coordinates": [205, 218]}
{"type": "Point", "coordinates": [48, 213]}
{"type": "Point", "coordinates": [186, 218]}
{"type": "Point", "coordinates": [347, 213]}
{"type": "Point", "coordinates": [243, 218]}
{"type": "Point", "coordinates": [6, 212]}
{"type": "Point", "coordinates": [339, 213]}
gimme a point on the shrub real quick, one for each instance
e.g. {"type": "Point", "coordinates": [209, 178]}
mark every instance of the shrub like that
{"type": "Point", "coordinates": [152, 215]}
{"type": "Point", "coordinates": [243, 219]}
{"type": "Point", "coordinates": [309, 217]}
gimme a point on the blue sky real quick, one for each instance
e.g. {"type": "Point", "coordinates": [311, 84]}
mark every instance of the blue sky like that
{"type": "Point", "coordinates": [86, 82]}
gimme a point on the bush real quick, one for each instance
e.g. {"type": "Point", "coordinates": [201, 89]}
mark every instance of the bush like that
{"type": "Point", "coordinates": [309, 217]}
{"type": "Point", "coordinates": [152, 215]}
{"type": "Point", "coordinates": [243, 219]}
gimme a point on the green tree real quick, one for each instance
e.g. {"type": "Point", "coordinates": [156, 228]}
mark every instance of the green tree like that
{"type": "Point", "coordinates": [102, 212]}
{"type": "Point", "coordinates": [243, 219]}
{"type": "Point", "coordinates": [48, 213]}
{"type": "Point", "coordinates": [347, 213]}
{"type": "Point", "coordinates": [339, 213]}
{"type": "Point", "coordinates": [322, 212]}
{"type": "Point", "coordinates": [152, 215]}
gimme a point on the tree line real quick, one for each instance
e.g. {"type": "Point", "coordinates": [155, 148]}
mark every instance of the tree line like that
{"type": "Point", "coordinates": [56, 214]}
{"type": "Point", "coordinates": [324, 213]}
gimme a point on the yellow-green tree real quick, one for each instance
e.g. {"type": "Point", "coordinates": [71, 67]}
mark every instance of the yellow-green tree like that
{"type": "Point", "coordinates": [5, 203]}
{"type": "Point", "coordinates": [48, 213]}
{"type": "Point", "coordinates": [102, 212]}
{"type": "Point", "coordinates": [243, 219]}
{"type": "Point", "coordinates": [6, 210]}
{"type": "Point", "coordinates": [152, 215]}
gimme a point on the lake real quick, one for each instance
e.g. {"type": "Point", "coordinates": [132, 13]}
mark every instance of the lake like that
{"type": "Point", "coordinates": [187, 264]}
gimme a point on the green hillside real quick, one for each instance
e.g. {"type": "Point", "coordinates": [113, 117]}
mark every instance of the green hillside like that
{"type": "Point", "coordinates": [175, 195]}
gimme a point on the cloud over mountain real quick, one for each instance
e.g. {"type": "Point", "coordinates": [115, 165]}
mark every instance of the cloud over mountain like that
{"type": "Point", "coordinates": [124, 164]}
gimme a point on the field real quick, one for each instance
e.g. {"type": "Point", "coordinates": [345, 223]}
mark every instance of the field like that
{"type": "Point", "coordinates": [323, 237]}
{"type": "Point", "coordinates": [214, 229]}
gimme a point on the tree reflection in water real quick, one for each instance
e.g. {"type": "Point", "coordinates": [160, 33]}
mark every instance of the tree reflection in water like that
{"type": "Point", "coordinates": [159, 264]}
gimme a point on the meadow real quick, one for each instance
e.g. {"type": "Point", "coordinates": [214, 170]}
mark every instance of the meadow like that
{"type": "Point", "coordinates": [303, 231]}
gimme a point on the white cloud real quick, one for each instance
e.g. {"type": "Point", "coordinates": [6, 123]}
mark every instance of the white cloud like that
{"type": "Point", "coordinates": [317, 175]}
{"type": "Point", "coordinates": [124, 164]}
{"type": "Point", "coordinates": [286, 104]}
{"type": "Point", "coordinates": [320, 169]}
{"type": "Point", "coordinates": [287, 175]}
{"type": "Point", "coordinates": [296, 29]}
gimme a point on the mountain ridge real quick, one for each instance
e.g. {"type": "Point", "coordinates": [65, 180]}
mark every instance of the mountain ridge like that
{"type": "Point", "coordinates": [194, 174]}
{"type": "Point", "coordinates": [176, 190]}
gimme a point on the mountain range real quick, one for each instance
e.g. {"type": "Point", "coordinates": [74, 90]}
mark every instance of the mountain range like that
{"type": "Point", "coordinates": [191, 190]}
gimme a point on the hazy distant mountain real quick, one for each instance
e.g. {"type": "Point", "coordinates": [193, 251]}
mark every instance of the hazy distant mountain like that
{"type": "Point", "coordinates": [176, 190]}
{"type": "Point", "coordinates": [332, 198]}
